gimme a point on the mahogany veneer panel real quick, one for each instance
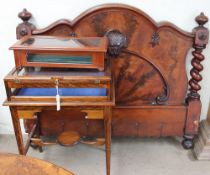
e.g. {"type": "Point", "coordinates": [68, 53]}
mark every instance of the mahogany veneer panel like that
{"type": "Point", "coordinates": [141, 122]}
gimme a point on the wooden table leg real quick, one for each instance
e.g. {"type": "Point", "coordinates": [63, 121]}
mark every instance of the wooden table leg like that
{"type": "Point", "coordinates": [17, 130]}
{"type": "Point", "coordinates": [38, 132]}
{"type": "Point", "coordinates": [107, 126]}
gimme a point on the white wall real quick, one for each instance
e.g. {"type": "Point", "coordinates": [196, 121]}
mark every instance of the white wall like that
{"type": "Point", "coordinates": [180, 12]}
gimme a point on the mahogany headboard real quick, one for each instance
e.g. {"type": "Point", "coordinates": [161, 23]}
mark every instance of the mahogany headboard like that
{"type": "Point", "coordinates": [149, 66]}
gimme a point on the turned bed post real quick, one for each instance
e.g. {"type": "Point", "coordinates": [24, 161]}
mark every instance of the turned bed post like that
{"type": "Point", "coordinates": [193, 97]}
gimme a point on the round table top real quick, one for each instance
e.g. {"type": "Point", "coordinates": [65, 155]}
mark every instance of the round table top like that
{"type": "Point", "coordinates": [13, 164]}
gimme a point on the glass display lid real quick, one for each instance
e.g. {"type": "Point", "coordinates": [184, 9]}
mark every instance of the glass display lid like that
{"type": "Point", "coordinates": [66, 52]}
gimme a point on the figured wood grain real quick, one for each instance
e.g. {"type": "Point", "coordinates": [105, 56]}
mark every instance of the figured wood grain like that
{"type": "Point", "coordinates": [11, 164]}
{"type": "Point", "coordinates": [169, 56]}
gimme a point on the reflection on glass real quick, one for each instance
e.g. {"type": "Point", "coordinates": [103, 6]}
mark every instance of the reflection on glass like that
{"type": "Point", "coordinates": [62, 42]}
{"type": "Point", "coordinates": [70, 59]}
{"type": "Point", "coordinates": [42, 71]}
{"type": "Point", "coordinates": [29, 41]}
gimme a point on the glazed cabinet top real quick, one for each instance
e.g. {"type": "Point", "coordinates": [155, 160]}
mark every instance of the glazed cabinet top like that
{"type": "Point", "coordinates": [46, 43]}
{"type": "Point", "coordinates": [63, 52]}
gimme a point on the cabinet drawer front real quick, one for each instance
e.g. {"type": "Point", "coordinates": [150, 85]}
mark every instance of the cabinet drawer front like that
{"type": "Point", "coordinates": [50, 82]}
{"type": "Point", "coordinates": [93, 114]}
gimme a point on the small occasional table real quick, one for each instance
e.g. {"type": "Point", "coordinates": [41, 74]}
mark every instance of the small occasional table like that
{"type": "Point", "coordinates": [12, 164]}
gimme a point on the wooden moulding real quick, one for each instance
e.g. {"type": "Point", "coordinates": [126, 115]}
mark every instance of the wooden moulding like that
{"type": "Point", "coordinates": [21, 83]}
{"type": "Point", "coordinates": [14, 80]}
{"type": "Point", "coordinates": [102, 8]}
{"type": "Point", "coordinates": [63, 99]}
{"type": "Point", "coordinates": [53, 104]}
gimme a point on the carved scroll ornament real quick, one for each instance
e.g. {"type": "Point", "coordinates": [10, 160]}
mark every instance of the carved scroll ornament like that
{"type": "Point", "coordinates": [164, 96]}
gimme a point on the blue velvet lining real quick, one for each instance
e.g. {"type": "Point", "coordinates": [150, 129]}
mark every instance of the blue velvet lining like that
{"type": "Point", "coordinates": [62, 92]}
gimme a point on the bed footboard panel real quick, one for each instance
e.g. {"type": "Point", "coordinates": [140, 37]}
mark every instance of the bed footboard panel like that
{"type": "Point", "coordinates": [149, 121]}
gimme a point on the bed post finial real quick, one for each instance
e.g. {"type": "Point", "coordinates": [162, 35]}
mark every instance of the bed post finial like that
{"type": "Point", "coordinates": [201, 19]}
{"type": "Point", "coordinates": [24, 28]}
{"type": "Point", "coordinates": [201, 35]}
{"type": "Point", "coordinates": [25, 15]}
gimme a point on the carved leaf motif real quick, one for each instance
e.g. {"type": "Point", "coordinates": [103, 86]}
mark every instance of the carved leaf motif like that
{"type": "Point", "coordinates": [155, 39]}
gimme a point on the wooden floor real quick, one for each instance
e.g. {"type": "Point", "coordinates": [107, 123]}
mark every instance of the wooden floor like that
{"type": "Point", "coordinates": [129, 156]}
